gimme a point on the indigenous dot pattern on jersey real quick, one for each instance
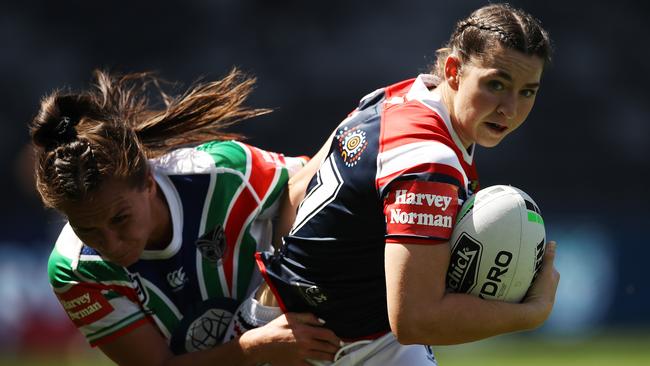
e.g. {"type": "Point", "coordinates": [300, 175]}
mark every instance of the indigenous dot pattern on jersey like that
{"type": "Point", "coordinates": [351, 144]}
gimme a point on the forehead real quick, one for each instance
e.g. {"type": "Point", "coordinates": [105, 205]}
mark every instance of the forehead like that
{"type": "Point", "coordinates": [520, 66]}
{"type": "Point", "coordinates": [106, 201]}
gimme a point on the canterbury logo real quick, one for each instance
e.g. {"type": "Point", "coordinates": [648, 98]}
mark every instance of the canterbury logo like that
{"type": "Point", "coordinates": [177, 279]}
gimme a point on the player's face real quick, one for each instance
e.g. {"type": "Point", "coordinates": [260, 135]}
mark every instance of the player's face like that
{"type": "Point", "coordinates": [117, 220]}
{"type": "Point", "coordinates": [494, 97]}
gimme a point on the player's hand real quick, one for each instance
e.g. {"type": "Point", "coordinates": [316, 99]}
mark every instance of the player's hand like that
{"type": "Point", "coordinates": [290, 339]}
{"type": "Point", "coordinates": [541, 295]}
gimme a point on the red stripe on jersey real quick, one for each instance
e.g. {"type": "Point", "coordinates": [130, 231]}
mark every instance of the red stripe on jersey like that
{"type": "Point", "coordinates": [399, 89]}
{"type": "Point", "coordinates": [265, 275]}
{"type": "Point", "coordinates": [129, 328]}
{"type": "Point", "coordinates": [412, 122]}
{"type": "Point", "coordinates": [262, 169]}
{"type": "Point", "coordinates": [125, 291]}
{"type": "Point", "coordinates": [368, 337]}
{"type": "Point", "coordinates": [260, 179]}
{"type": "Point", "coordinates": [407, 240]}
{"type": "Point", "coordinates": [426, 168]}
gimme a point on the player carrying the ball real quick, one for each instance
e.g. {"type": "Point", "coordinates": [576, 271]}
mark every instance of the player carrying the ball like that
{"type": "Point", "coordinates": [369, 249]}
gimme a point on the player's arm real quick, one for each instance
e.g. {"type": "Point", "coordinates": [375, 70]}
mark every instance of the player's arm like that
{"type": "Point", "coordinates": [288, 340]}
{"type": "Point", "coordinates": [421, 311]}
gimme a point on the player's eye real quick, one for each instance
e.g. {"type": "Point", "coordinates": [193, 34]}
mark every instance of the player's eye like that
{"type": "Point", "coordinates": [528, 93]}
{"type": "Point", "coordinates": [83, 231]}
{"type": "Point", "coordinates": [119, 219]}
{"type": "Point", "coordinates": [496, 85]}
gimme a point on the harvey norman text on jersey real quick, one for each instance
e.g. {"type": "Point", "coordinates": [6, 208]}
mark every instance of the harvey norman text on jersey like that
{"type": "Point", "coordinates": [404, 197]}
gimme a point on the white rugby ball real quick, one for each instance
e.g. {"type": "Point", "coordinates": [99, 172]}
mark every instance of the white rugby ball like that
{"type": "Point", "coordinates": [497, 245]}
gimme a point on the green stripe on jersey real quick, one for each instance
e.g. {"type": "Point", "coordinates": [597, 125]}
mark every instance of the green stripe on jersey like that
{"type": "Point", "coordinates": [249, 246]}
{"type": "Point", "coordinates": [211, 279]}
{"type": "Point", "coordinates": [228, 185]}
{"type": "Point", "coordinates": [466, 208]}
{"type": "Point", "coordinates": [277, 190]}
{"type": "Point", "coordinates": [161, 307]}
{"type": "Point", "coordinates": [226, 154]}
{"type": "Point", "coordinates": [59, 270]}
{"type": "Point", "coordinates": [245, 265]}
{"type": "Point", "coordinates": [114, 327]}
{"type": "Point", "coordinates": [102, 271]}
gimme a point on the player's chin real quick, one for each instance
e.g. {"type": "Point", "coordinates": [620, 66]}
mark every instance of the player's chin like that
{"type": "Point", "coordinates": [489, 142]}
{"type": "Point", "coordinates": [125, 259]}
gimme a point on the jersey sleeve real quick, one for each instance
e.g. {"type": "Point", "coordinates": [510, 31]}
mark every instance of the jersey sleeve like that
{"type": "Point", "coordinates": [420, 181]}
{"type": "Point", "coordinates": [97, 296]}
{"type": "Point", "coordinates": [420, 211]}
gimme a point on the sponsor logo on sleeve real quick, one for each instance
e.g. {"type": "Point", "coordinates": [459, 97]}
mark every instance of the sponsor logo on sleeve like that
{"type": "Point", "coordinates": [85, 305]}
{"type": "Point", "coordinates": [421, 208]}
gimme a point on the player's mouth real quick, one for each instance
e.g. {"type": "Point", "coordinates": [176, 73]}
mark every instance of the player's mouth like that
{"type": "Point", "coordinates": [498, 128]}
{"type": "Point", "coordinates": [122, 259]}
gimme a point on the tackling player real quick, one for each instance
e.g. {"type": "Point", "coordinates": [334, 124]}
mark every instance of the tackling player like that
{"type": "Point", "coordinates": [368, 251]}
{"type": "Point", "coordinates": [163, 223]}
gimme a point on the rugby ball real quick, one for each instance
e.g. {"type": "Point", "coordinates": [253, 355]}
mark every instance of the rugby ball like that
{"type": "Point", "coordinates": [497, 245]}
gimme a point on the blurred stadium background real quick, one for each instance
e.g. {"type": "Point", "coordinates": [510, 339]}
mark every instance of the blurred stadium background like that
{"type": "Point", "coordinates": [583, 155]}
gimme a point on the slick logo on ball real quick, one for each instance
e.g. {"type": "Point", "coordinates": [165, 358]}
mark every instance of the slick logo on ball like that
{"type": "Point", "coordinates": [463, 264]}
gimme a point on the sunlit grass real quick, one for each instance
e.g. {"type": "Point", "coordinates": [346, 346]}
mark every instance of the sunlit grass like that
{"type": "Point", "coordinates": [624, 349]}
{"type": "Point", "coordinates": [619, 349]}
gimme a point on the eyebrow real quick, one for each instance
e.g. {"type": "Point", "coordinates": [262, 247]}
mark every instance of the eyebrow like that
{"type": "Point", "coordinates": [505, 75]}
{"type": "Point", "coordinates": [119, 212]}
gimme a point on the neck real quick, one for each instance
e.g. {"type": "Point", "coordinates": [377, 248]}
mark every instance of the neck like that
{"type": "Point", "coordinates": [447, 95]}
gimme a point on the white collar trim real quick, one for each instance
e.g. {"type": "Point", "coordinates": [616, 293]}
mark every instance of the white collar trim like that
{"type": "Point", "coordinates": [420, 91]}
{"type": "Point", "coordinates": [176, 212]}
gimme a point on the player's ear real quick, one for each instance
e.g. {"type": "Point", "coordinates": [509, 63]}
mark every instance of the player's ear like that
{"type": "Point", "coordinates": [150, 183]}
{"type": "Point", "coordinates": [452, 71]}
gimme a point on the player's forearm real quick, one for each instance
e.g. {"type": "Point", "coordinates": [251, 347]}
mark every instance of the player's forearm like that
{"type": "Point", "coordinates": [461, 318]}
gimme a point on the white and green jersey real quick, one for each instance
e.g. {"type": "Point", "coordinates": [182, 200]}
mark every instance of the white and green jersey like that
{"type": "Point", "coordinates": [223, 197]}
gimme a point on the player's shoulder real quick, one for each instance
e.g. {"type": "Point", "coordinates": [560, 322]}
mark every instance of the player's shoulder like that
{"type": "Point", "coordinates": [204, 158]}
{"type": "Point", "coordinates": [72, 263]}
{"type": "Point", "coordinates": [231, 154]}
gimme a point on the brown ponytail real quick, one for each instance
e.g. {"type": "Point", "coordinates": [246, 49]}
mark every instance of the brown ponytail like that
{"type": "Point", "coordinates": [84, 138]}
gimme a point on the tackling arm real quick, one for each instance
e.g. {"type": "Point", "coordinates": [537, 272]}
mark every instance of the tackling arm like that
{"type": "Point", "coordinates": [287, 340]}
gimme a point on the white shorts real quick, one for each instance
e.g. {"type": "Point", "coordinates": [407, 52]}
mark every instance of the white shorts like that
{"type": "Point", "coordinates": [383, 351]}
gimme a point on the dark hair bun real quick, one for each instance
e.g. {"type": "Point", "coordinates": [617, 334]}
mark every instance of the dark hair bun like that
{"type": "Point", "coordinates": [55, 123]}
